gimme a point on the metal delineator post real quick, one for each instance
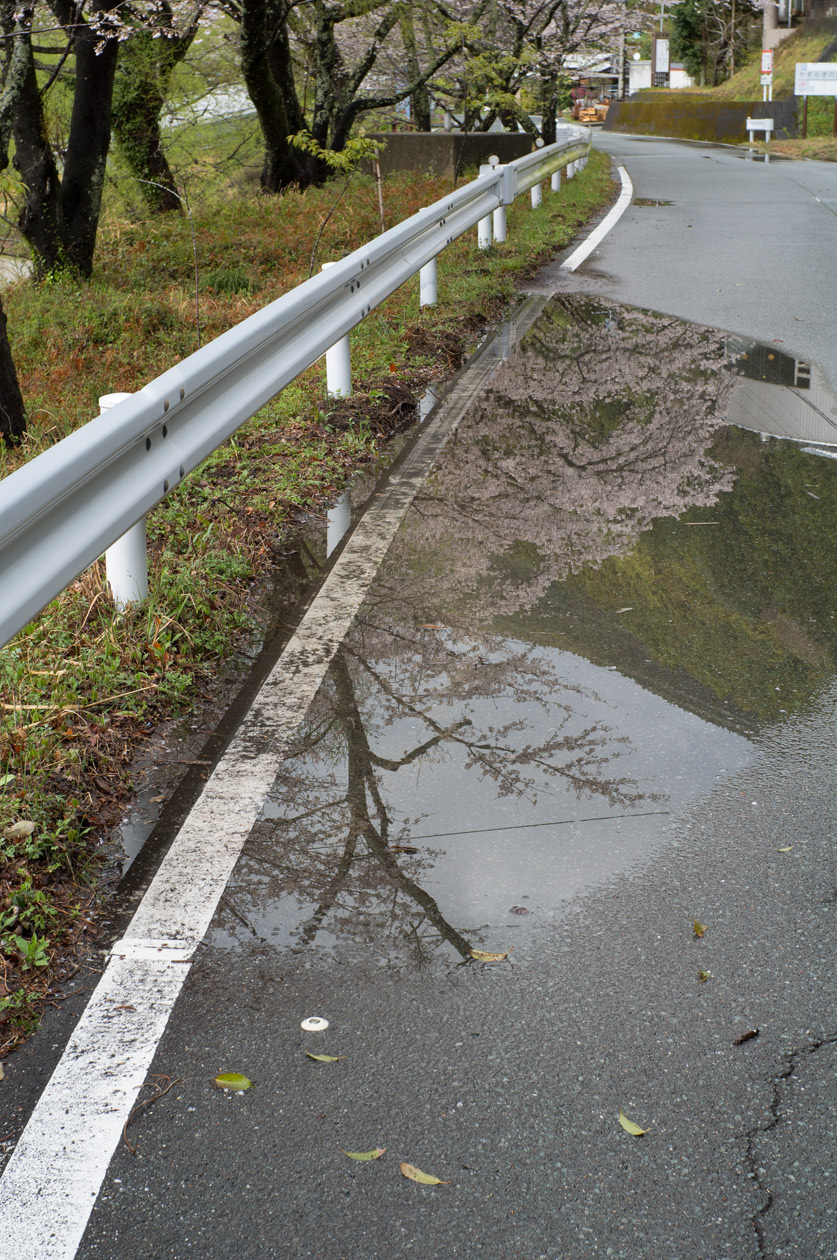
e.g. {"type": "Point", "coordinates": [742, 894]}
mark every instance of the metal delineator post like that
{"type": "Point", "coordinates": [338, 365]}
{"type": "Point", "coordinates": [126, 560]}
{"type": "Point", "coordinates": [556, 181]}
{"type": "Point", "coordinates": [536, 195]}
{"type": "Point", "coordinates": [429, 284]}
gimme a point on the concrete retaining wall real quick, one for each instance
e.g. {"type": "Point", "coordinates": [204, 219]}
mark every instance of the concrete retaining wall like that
{"type": "Point", "coordinates": [446, 152]}
{"type": "Point", "coordinates": [689, 117]}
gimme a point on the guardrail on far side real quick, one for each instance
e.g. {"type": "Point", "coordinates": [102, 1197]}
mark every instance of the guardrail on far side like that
{"type": "Point", "coordinates": [66, 507]}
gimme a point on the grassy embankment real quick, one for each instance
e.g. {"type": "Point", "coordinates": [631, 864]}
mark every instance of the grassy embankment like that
{"type": "Point", "coordinates": [82, 687]}
{"type": "Point", "coordinates": [808, 43]}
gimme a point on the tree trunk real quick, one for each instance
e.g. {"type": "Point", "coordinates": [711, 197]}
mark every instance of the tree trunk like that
{"type": "Point", "coordinates": [60, 216]}
{"type": "Point", "coordinates": [263, 39]}
{"type": "Point", "coordinates": [139, 93]}
{"type": "Point", "coordinates": [12, 411]}
{"type": "Point", "coordinates": [41, 219]}
{"type": "Point", "coordinates": [83, 180]}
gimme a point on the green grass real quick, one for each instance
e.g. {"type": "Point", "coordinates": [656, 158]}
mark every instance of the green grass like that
{"type": "Point", "coordinates": [82, 685]}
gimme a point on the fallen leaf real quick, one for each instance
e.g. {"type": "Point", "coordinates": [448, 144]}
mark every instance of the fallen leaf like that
{"type": "Point", "coordinates": [703, 976]}
{"type": "Point", "coordinates": [424, 1179]}
{"type": "Point", "coordinates": [233, 1080]}
{"type": "Point", "coordinates": [630, 608]}
{"type": "Point", "coordinates": [698, 928]}
{"type": "Point", "coordinates": [18, 831]}
{"type": "Point", "coordinates": [325, 1058]}
{"type": "Point", "coordinates": [786, 849]}
{"type": "Point", "coordinates": [485, 956]}
{"type": "Point", "coordinates": [366, 1155]}
{"type": "Point", "coordinates": [747, 1036]}
{"type": "Point", "coordinates": [629, 1126]}
{"type": "Point", "coordinates": [2, 1073]}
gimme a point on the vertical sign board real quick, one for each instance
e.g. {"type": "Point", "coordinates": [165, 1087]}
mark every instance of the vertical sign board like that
{"type": "Point", "coordinates": [660, 61]}
{"type": "Point", "coordinates": [767, 67]}
{"type": "Point", "coordinates": [767, 73]}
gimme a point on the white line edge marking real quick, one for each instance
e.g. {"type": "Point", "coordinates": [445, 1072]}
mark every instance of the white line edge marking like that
{"type": "Point", "coordinates": [52, 1180]}
{"type": "Point", "coordinates": [585, 249]}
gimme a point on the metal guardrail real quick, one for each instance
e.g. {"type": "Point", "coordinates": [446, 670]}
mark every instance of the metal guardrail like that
{"type": "Point", "coordinates": [63, 509]}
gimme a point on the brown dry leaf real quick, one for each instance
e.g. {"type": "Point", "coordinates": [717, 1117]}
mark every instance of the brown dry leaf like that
{"type": "Point", "coordinates": [698, 928]}
{"type": "Point", "coordinates": [424, 1179]}
{"type": "Point", "coordinates": [629, 1126]}
{"type": "Point", "coordinates": [483, 955]}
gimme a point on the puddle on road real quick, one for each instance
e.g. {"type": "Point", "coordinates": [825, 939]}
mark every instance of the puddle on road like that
{"type": "Point", "coordinates": [593, 608]}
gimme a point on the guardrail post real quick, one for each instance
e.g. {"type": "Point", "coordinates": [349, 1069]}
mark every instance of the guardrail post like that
{"type": "Point", "coordinates": [338, 521]}
{"type": "Point", "coordinates": [570, 170]}
{"type": "Point", "coordinates": [338, 365]}
{"type": "Point", "coordinates": [499, 224]}
{"type": "Point", "coordinates": [556, 181]}
{"type": "Point", "coordinates": [126, 560]}
{"type": "Point", "coordinates": [536, 193]}
{"type": "Point", "coordinates": [484, 225]}
{"type": "Point", "coordinates": [429, 284]}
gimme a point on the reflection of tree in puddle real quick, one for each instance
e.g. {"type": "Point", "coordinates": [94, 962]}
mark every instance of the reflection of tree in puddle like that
{"type": "Point", "coordinates": [337, 860]}
{"type": "Point", "coordinates": [596, 426]}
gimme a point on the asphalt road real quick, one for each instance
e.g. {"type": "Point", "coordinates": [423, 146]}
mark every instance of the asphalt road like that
{"type": "Point", "coordinates": [359, 901]}
{"type": "Point", "coordinates": [740, 245]}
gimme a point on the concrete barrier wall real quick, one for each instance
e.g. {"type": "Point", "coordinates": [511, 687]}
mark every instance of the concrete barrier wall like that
{"type": "Point", "coordinates": [446, 152]}
{"type": "Point", "coordinates": [690, 117]}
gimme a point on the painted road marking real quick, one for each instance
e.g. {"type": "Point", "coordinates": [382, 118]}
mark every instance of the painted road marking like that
{"type": "Point", "coordinates": [52, 1180]}
{"type": "Point", "coordinates": [598, 234]}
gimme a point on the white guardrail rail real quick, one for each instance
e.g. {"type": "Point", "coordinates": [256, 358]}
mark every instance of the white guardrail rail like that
{"type": "Point", "coordinates": [63, 509]}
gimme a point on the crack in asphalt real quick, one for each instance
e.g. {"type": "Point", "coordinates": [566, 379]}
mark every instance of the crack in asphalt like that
{"type": "Point", "coordinates": [791, 1060]}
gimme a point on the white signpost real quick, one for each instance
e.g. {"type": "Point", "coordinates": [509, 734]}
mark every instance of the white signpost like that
{"type": "Point", "coordinates": [767, 74]}
{"type": "Point", "coordinates": [815, 78]}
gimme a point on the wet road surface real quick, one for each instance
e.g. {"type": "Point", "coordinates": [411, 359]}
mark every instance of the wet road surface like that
{"type": "Point", "coordinates": [588, 701]}
{"type": "Point", "coordinates": [724, 241]}
{"type": "Point", "coordinates": [585, 713]}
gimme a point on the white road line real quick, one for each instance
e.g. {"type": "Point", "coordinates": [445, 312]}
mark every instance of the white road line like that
{"type": "Point", "coordinates": [598, 234]}
{"type": "Point", "coordinates": [52, 1180]}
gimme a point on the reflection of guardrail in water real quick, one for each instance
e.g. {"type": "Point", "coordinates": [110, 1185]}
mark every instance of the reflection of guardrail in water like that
{"type": "Point", "coordinates": [66, 507]}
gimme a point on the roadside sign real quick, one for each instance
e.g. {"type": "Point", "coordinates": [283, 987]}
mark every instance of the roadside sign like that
{"type": "Point", "coordinates": [767, 62]}
{"type": "Point", "coordinates": [661, 56]}
{"type": "Point", "coordinates": [766, 80]}
{"type": "Point", "coordinates": [816, 78]}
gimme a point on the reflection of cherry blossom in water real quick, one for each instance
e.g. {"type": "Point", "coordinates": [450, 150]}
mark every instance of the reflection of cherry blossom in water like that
{"type": "Point", "coordinates": [597, 426]}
